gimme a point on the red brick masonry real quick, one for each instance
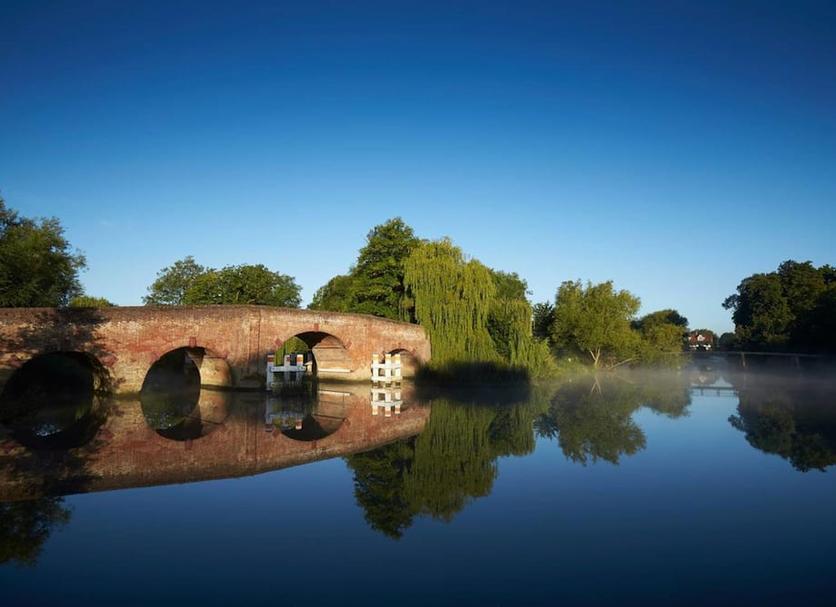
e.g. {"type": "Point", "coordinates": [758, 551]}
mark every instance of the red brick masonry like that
{"type": "Point", "coordinates": [126, 341]}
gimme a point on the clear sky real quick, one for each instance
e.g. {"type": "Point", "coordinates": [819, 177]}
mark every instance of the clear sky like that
{"type": "Point", "coordinates": [673, 147]}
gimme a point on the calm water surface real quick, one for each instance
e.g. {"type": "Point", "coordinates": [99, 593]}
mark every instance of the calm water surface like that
{"type": "Point", "coordinates": [687, 487]}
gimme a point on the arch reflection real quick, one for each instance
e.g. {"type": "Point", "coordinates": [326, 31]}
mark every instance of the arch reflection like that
{"type": "Point", "coordinates": [306, 411]}
{"type": "Point", "coordinates": [51, 402]}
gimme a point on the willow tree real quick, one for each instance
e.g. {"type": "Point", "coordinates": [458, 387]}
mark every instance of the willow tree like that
{"type": "Point", "coordinates": [451, 298]}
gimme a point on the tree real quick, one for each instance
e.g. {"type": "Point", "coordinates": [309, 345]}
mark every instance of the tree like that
{"type": "Point", "coordinates": [169, 289]}
{"type": "Point", "coordinates": [727, 341]}
{"type": "Point", "coordinates": [660, 341]}
{"type": "Point", "coordinates": [243, 284]}
{"type": "Point", "coordinates": [378, 276]}
{"type": "Point", "coordinates": [452, 299]}
{"type": "Point", "coordinates": [595, 320]}
{"type": "Point", "coordinates": [88, 301]}
{"type": "Point", "coordinates": [38, 267]}
{"type": "Point", "coordinates": [337, 295]}
{"type": "Point", "coordinates": [668, 316]}
{"type": "Point", "coordinates": [509, 319]}
{"type": "Point", "coordinates": [786, 308]}
{"type": "Point", "coordinates": [801, 283]}
{"type": "Point", "coordinates": [509, 285]}
{"type": "Point", "coordinates": [662, 334]}
{"type": "Point", "coordinates": [543, 318]}
{"type": "Point", "coordinates": [760, 312]}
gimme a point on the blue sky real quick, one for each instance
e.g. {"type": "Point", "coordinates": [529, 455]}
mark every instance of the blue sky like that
{"type": "Point", "coordinates": [672, 147]}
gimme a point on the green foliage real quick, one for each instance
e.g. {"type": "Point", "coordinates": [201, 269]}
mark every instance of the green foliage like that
{"type": "Point", "coordinates": [542, 319]}
{"type": "Point", "coordinates": [595, 321]}
{"type": "Point", "coordinates": [509, 285]}
{"type": "Point", "coordinates": [244, 284]}
{"type": "Point", "coordinates": [452, 300]}
{"type": "Point", "coordinates": [451, 462]}
{"type": "Point", "coordinates": [379, 487]}
{"type": "Point", "coordinates": [727, 341]}
{"type": "Point", "coordinates": [337, 295]}
{"type": "Point", "coordinates": [786, 309]}
{"type": "Point", "coordinates": [761, 314]}
{"type": "Point", "coordinates": [660, 342]}
{"type": "Point", "coordinates": [88, 301]}
{"type": "Point", "coordinates": [378, 276]}
{"type": "Point", "coordinates": [172, 282]}
{"type": "Point", "coordinates": [791, 417]}
{"type": "Point", "coordinates": [670, 317]}
{"type": "Point", "coordinates": [375, 284]}
{"type": "Point", "coordinates": [472, 314]}
{"type": "Point", "coordinates": [186, 282]}
{"type": "Point", "coordinates": [37, 264]}
{"type": "Point", "coordinates": [663, 335]}
{"type": "Point", "coordinates": [294, 344]}
{"type": "Point", "coordinates": [593, 419]}
{"type": "Point", "coordinates": [592, 424]}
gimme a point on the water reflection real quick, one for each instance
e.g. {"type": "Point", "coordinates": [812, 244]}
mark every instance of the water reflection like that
{"type": "Point", "coordinates": [413, 453]}
{"type": "Point", "coordinates": [51, 402]}
{"type": "Point", "coordinates": [25, 526]}
{"type": "Point", "coordinates": [306, 411]}
{"type": "Point", "coordinates": [592, 419]}
{"type": "Point", "coordinates": [451, 462]}
{"type": "Point", "coordinates": [793, 416]}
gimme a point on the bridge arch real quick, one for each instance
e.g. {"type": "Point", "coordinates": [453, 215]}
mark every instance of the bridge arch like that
{"type": "Point", "coordinates": [173, 397]}
{"type": "Point", "coordinates": [55, 400]}
{"type": "Point", "coordinates": [213, 368]}
{"type": "Point", "coordinates": [329, 355]}
{"type": "Point", "coordinates": [128, 340]}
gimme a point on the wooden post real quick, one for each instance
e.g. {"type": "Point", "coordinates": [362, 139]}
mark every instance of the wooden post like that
{"type": "Point", "coordinates": [375, 367]}
{"type": "Point", "coordinates": [271, 359]}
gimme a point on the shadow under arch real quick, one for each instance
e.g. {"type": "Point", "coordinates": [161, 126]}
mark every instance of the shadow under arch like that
{"type": "Point", "coordinates": [409, 362]}
{"type": "Point", "coordinates": [328, 358]}
{"type": "Point", "coordinates": [55, 401]}
{"type": "Point", "coordinates": [175, 400]}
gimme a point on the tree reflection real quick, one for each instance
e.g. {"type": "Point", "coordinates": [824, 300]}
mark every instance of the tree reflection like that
{"type": "Point", "coordinates": [25, 527]}
{"type": "Point", "coordinates": [792, 417]}
{"type": "Point", "coordinates": [594, 422]}
{"type": "Point", "coordinates": [592, 419]}
{"type": "Point", "coordinates": [452, 462]}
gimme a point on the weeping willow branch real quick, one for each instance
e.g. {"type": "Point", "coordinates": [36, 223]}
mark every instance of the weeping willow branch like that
{"type": "Point", "coordinates": [456, 301]}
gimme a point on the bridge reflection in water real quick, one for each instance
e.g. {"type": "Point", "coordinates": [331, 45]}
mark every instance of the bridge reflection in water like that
{"type": "Point", "coordinates": [91, 445]}
{"type": "Point", "coordinates": [408, 459]}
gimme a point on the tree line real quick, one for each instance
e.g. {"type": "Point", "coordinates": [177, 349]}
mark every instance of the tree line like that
{"type": "Point", "coordinates": [792, 308]}
{"type": "Point", "coordinates": [472, 313]}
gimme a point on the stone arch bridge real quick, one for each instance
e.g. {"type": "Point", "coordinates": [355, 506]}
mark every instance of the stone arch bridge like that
{"type": "Point", "coordinates": [229, 344]}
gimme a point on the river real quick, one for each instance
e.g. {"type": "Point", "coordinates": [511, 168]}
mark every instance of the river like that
{"type": "Point", "coordinates": [694, 486]}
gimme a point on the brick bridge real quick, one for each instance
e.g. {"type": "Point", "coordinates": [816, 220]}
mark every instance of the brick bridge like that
{"type": "Point", "coordinates": [229, 344]}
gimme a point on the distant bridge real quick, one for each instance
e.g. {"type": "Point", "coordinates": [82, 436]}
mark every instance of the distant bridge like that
{"type": "Point", "coordinates": [228, 344]}
{"type": "Point", "coordinates": [794, 357]}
